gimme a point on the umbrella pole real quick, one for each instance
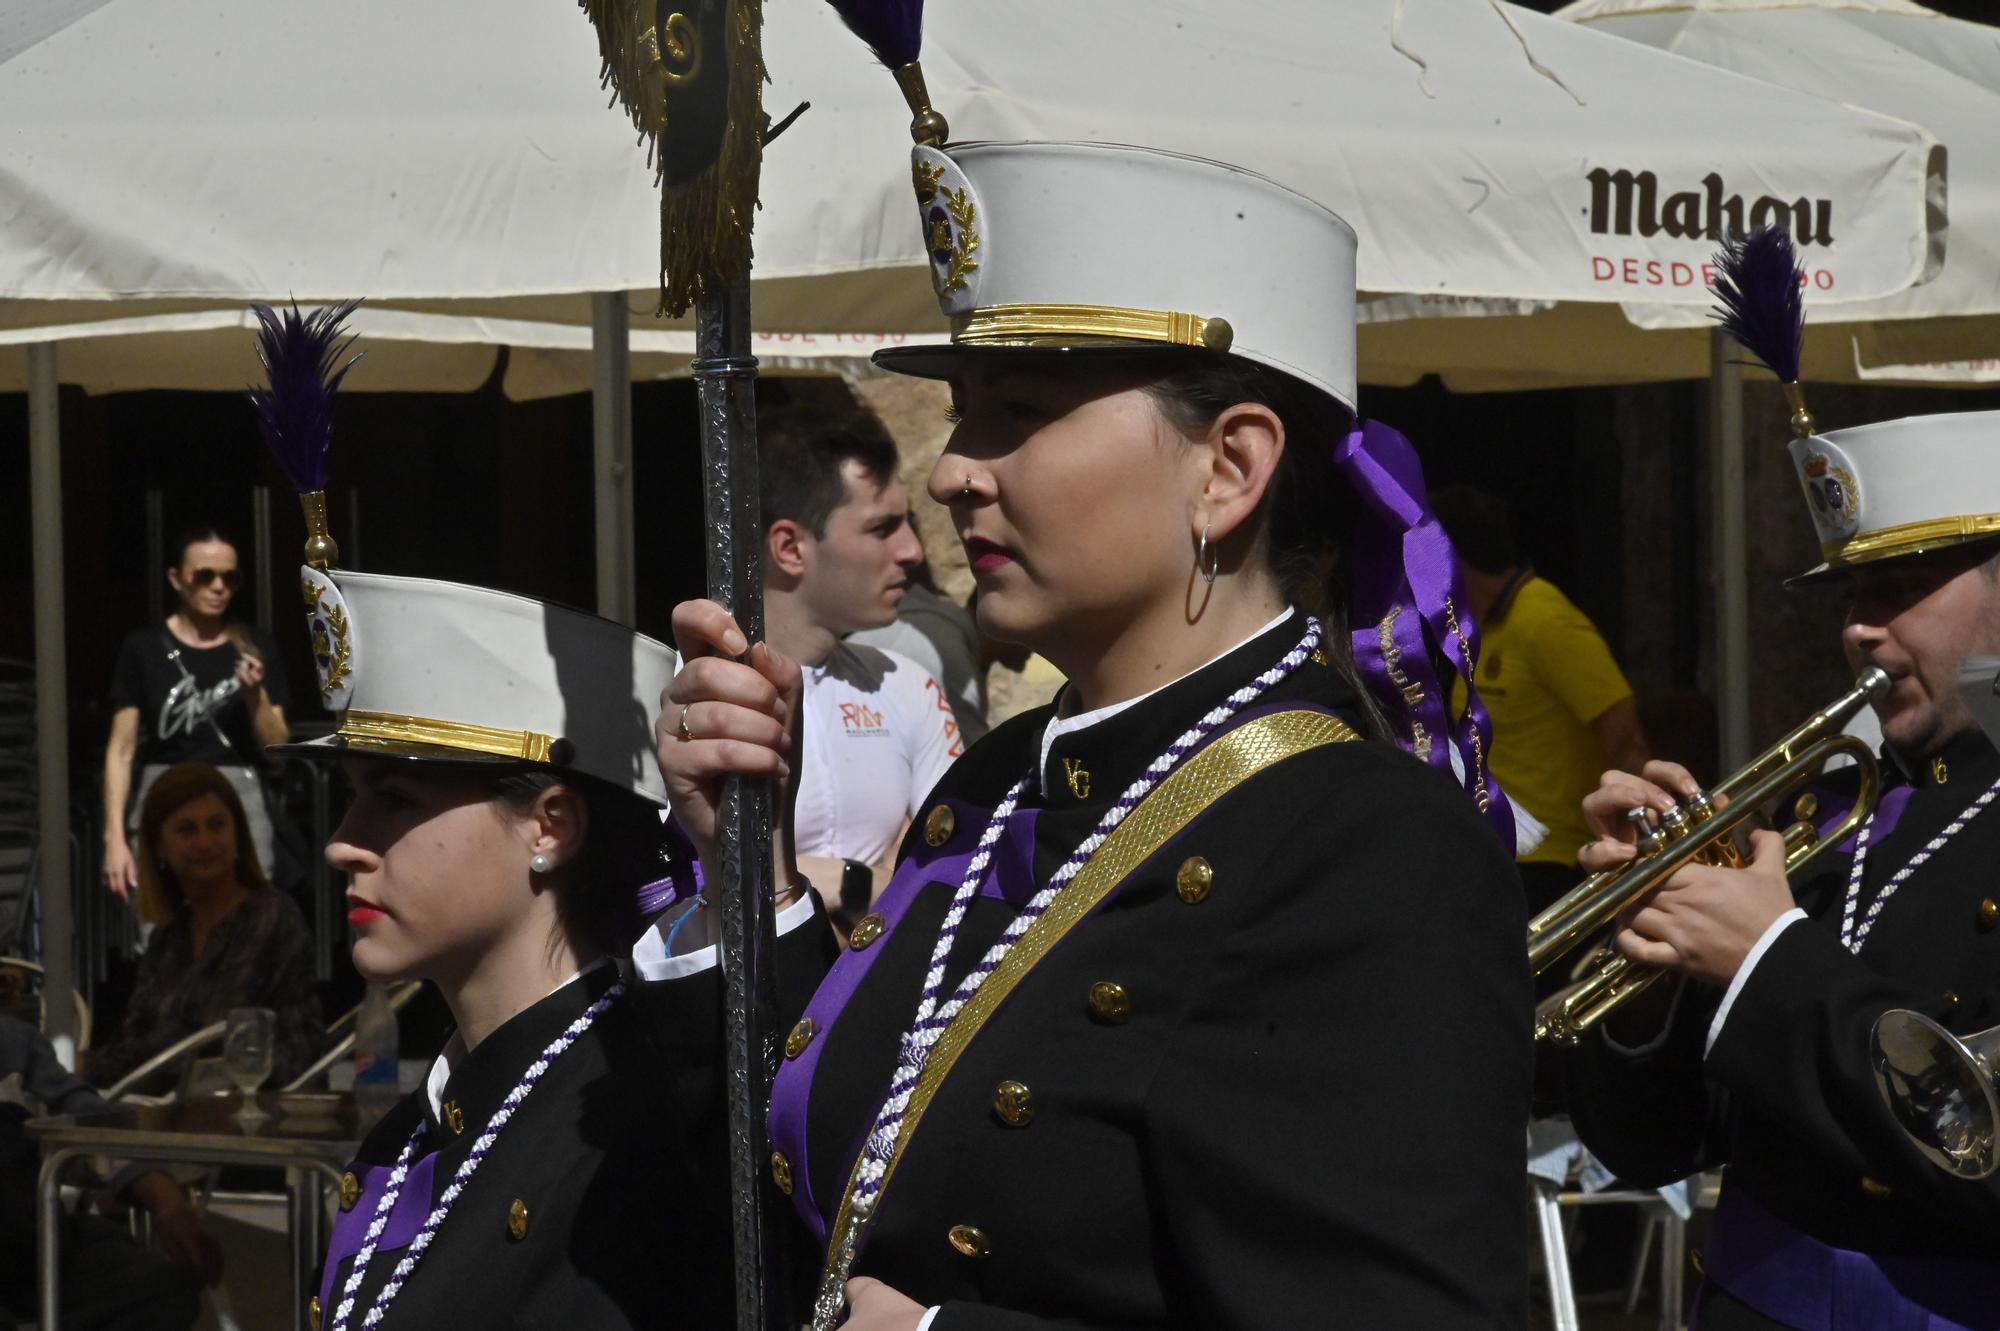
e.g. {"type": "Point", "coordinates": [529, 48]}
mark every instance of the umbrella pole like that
{"type": "Point", "coordinates": [1728, 533]}
{"type": "Point", "coordinates": [725, 375]}
{"type": "Point", "coordinates": [611, 428]}
{"type": "Point", "coordinates": [51, 700]}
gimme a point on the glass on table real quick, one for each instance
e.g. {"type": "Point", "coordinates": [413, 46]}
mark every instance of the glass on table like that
{"type": "Point", "coordinates": [249, 1053]}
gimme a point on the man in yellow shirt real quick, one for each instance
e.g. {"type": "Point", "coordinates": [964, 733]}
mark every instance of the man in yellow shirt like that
{"type": "Point", "coordinates": [1562, 711]}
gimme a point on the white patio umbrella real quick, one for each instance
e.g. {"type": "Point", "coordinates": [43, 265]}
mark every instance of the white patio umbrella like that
{"type": "Point", "coordinates": [1890, 56]}
{"type": "Point", "coordinates": [451, 157]}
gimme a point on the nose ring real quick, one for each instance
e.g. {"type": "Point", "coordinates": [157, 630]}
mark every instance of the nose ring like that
{"type": "Point", "coordinates": [965, 490]}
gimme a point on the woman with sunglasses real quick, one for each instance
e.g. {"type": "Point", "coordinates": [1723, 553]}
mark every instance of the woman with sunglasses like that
{"type": "Point", "coordinates": [198, 687]}
{"type": "Point", "coordinates": [1198, 998]}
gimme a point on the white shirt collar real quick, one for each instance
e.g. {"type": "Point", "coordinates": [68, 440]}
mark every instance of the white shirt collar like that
{"type": "Point", "coordinates": [454, 1048]}
{"type": "Point", "coordinates": [1068, 725]}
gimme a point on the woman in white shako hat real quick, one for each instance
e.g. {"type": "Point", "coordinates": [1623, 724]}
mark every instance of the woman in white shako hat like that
{"type": "Point", "coordinates": [1199, 998]}
{"type": "Point", "coordinates": [564, 1164]}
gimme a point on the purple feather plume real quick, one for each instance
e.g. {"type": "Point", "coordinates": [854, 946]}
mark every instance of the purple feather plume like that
{"type": "Point", "coordinates": [1758, 285]}
{"type": "Point", "coordinates": [296, 409]}
{"type": "Point", "coordinates": [894, 29]}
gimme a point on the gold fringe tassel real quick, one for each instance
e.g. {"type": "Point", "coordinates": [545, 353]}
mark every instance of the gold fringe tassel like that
{"type": "Point", "coordinates": [705, 221]}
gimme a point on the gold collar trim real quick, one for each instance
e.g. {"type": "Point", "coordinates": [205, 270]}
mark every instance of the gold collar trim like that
{"type": "Point", "coordinates": [1198, 783]}
{"type": "Point", "coordinates": [365, 729]}
{"type": "Point", "coordinates": [1048, 325]}
{"type": "Point", "coordinates": [1910, 537]}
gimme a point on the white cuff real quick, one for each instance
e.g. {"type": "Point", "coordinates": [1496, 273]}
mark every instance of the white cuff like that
{"type": "Point", "coordinates": [929, 1317]}
{"type": "Point", "coordinates": [650, 959]}
{"type": "Point", "coordinates": [1750, 960]}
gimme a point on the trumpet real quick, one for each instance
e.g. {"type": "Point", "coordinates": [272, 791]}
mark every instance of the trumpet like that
{"type": "Point", "coordinates": [1699, 830]}
{"type": "Point", "coordinates": [1941, 1088]}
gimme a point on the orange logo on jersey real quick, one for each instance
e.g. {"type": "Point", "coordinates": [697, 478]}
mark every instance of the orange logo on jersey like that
{"type": "Point", "coordinates": [861, 718]}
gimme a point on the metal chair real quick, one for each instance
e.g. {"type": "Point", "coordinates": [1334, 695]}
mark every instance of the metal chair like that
{"type": "Point", "coordinates": [343, 1027]}
{"type": "Point", "coordinates": [1560, 1173]}
{"type": "Point", "coordinates": [82, 1007]}
{"type": "Point", "coordinates": [185, 1047]}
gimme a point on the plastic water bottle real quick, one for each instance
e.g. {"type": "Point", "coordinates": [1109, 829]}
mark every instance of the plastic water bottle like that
{"type": "Point", "coordinates": [377, 1047]}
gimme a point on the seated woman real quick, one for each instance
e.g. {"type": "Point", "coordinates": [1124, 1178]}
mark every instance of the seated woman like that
{"type": "Point", "coordinates": [1198, 998]}
{"type": "Point", "coordinates": [224, 937]}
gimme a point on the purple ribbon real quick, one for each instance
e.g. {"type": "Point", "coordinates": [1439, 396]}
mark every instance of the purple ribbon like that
{"type": "Point", "coordinates": [1795, 1279]}
{"type": "Point", "coordinates": [1408, 599]}
{"type": "Point", "coordinates": [683, 878]}
{"type": "Point", "coordinates": [350, 1227]}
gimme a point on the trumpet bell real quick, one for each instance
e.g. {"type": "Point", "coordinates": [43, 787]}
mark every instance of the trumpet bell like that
{"type": "Point", "coordinates": [1941, 1089]}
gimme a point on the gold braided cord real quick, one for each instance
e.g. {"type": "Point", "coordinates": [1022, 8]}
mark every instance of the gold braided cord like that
{"type": "Point", "coordinates": [1910, 537]}
{"type": "Point", "coordinates": [1003, 324]}
{"type": "Point", "coordinates": [1198, 783]}
{"type": "Point", "coordinates": [385, 730]}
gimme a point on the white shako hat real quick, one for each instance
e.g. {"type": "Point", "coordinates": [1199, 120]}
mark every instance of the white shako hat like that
{"type": "Point", "coordinates": [440, 671]}
{"type": "Point", "coordinates": [1076, 247]}
{"type": "Point", "coordinates": [1900, 488]}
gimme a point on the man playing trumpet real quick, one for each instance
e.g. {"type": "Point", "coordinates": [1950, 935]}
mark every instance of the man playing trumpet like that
{"type": "Point", "coordinates": [1830, 1218]}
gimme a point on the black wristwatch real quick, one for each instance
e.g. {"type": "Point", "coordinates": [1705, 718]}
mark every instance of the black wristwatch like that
{"type": "Point", "coordinates": [857, 886]}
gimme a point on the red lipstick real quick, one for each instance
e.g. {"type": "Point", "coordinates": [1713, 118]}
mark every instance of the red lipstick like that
{"type": "Point", "coordinates": [360, 912]}
{"type": "Point", "coordinates": [985, 555]}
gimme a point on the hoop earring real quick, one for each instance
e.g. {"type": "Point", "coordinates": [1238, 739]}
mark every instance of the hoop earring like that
{"type": "Point", "coordinates": [1207, 558]}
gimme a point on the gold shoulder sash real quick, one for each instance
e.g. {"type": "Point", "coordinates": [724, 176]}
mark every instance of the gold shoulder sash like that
{"type": "Point", "coordinates": [1227, 762]}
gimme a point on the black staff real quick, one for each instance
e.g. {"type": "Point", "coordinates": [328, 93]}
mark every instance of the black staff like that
{"type": "Point", "coordinates": [691, 78]}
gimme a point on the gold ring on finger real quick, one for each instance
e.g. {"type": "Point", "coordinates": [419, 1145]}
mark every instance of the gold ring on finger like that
{"type": "Point", "coordinates": [685, 733]}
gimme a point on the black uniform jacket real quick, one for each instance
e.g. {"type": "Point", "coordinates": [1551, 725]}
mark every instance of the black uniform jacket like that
{"type": "Point", "coordinates": [1302, 1105]}
{"type": "Point", "coordinates": [1787, 1097]}
{"type": "Point", "coordinates": [604, 1202]}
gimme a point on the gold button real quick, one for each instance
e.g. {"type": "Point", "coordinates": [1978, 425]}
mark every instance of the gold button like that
{"type": "Point", "coordinates": [781, 1172]}
{"type": "Point", "coordinates": [940, 825]}
{"type": "Point", "coordinates": [1320, 658]}
{"type": "Point", "coordinates": [866, 930]}
{"type": "Point", "coordinates": [1014, 1103]}
{"type": "Point", "coordinates": [312, 1312]}
{"type": "Point", "coordinates": [517, 1220]}
{"type": "Point", "coordinates": [1989, 913]}
{"type": "Point", "coordinates": [1951, 998]}
{"type": "Point", "coordinates": [454, 1117]}
{"type": "Point", "coordinates": [350, 1191]}
{"type": "Point", "coordinates": [801, 1036]}
{"type": "Point", "coordinates": [1109, 1002]}
{"type": "Point", "coordinates": [969, 1241]}
{"type": "Point", "coordinates": [1874, 1187]}
{"type": "Point", "coordinates": [1196, 876]}
{"type": "Point", "coordinates": [1216, 334]}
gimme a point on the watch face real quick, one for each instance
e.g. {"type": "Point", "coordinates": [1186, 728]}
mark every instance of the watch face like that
{"type": "Point", "coordinates": [857, 885]}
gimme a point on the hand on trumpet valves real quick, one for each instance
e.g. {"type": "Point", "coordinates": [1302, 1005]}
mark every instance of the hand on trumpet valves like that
{"type": "Point", "coordinates": [1607, 810]}
{"type": "Point", "coordinates": [1704, 920]}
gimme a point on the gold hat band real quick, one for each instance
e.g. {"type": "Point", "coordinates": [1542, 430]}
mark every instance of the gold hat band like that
{"type": "Point", "coordinates": [1910, 537]}
{"type": "Point", "coordinates": [1032, 325]}
{"type": "Point", "coordinates": [388, 727]}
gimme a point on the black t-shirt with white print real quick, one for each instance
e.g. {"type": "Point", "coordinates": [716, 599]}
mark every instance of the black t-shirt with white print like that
{"type": "Point", "coordinates": [191, 709]}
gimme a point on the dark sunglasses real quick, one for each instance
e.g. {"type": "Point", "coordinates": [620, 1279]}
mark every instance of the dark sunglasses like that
{"type": "Point", "coordinates": [228, 577]}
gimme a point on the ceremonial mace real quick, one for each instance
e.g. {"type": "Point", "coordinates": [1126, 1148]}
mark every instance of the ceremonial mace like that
{"type": "Point", "coordinates": [691, 73]}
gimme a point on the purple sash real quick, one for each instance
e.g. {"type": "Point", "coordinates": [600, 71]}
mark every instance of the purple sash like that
{"type": "Point", "coordinates": [1012, 879]}
{"type": "Point", "coordinates": [350, 1227]}
{"type": "Point", "coordinates": [1795, 1279]}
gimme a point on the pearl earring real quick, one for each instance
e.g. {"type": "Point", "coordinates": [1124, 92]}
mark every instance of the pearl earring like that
{"type": "Point", "coordinates": [540, 862]}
